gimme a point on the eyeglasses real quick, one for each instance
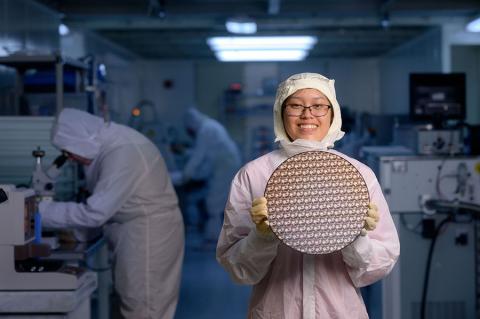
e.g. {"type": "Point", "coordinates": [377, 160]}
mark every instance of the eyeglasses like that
{"type": "Point", "coordinates": [317, 110]}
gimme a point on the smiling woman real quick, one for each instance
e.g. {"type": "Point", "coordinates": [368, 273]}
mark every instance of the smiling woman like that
{"type": "Point", "coordinates": [288, 283]}
{"type": "Point", "coordinates": [306, 122]}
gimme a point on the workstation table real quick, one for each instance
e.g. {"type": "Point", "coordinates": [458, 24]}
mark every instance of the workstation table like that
{"type": "Point", "coordinates": [91, 299]}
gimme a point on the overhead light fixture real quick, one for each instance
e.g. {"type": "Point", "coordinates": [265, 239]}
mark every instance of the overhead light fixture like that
{"type": "Point", "coordinates": [102, 70]}
{"type": "Point", "coordinates": [63, 30]}
{"type": "Point", "coordinates": [241, 26]}
{"type": "Point", "coordinates": [251, 43]}
{"type": "Point", "coordinates": [260, 55]}
{"type": "Point", "coordinates": [474, 25]}
{"type": "Point", "coordinates": [385, 22]}
{"type": "Point", "coordinates": [275, 48]}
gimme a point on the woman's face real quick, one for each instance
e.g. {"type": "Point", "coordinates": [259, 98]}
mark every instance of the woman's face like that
{"type": "Point", "coordinates": [306, 126]}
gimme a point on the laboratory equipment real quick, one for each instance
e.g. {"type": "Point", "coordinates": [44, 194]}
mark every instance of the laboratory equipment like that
{"type": "Point", "coordinates": [43, 181]}
{"type": "Point", "coordinates": [426, 140]}
{"type": "Point", "coordinates": [423, 192]}
{"type": "Point", "coordinates": [19, 136]}
{"type": "Point", "coordinates": [317, 202]}
{"type": "Point", "coordinates": [21, 265]}
{"type": "Point", "coordinates": [437, 97]}
{"type": "Point", "coordinates": [409, 181]}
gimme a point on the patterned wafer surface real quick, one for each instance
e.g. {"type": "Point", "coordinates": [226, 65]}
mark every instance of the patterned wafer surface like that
{"type": "Point", "coordinates": [317, 202]}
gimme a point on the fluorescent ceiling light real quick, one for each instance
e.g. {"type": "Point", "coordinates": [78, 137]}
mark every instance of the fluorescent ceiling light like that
{"type": "Point", "coordinates": [474, 25]}
{"type": "Point", "coordinates": [275, 48]}
{"type": "Point", "coordinates": [252, 43]}
{"type": "Point", "coordinates": [241, 26]}
{"type": "Point", "coordinates": [63, 30]}
{"type": "Point", "coordinates": [260, 55]}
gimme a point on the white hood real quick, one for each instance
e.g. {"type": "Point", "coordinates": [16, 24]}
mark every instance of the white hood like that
{"type": "Point", "coordinates": [78, 132]}
{"type": "Point", "coordinates": [193, 119]}
{"type": "Point", "coordinates": [306, 81]}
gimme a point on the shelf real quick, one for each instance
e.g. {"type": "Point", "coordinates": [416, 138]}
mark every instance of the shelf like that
{"type": "Point", "coordinates": [53, 75]}
{"type": "Point", "coordinates": [24, 61]}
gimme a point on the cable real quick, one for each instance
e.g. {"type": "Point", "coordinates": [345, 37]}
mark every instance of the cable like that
{"type": "Point", "coordinates": [441, 205]}
{"type": "Point", "coordinates": [427, 267]}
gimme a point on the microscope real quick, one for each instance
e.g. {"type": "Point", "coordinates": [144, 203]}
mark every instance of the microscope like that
{"type": "Point", "coordinates": [43, 181]}
{"type": "Point", "coordinates": [21, 264]}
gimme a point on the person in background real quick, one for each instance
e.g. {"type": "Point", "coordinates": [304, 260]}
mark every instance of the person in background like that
{"type": "Point", "coordinates": [133, 199]}
{"type": "Point", "coordinates": [214, 158]}
{"type": "Point", "coordinates": [358, 133]}
{"type": "Point", "coordinates": [287, 283]}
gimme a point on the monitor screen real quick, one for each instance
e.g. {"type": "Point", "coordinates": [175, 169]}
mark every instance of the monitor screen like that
{"type": "Point", "coordinates": [437, 97]}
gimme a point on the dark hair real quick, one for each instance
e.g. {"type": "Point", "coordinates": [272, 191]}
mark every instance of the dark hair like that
{"type": "Point", "coordinates": [284, 104]}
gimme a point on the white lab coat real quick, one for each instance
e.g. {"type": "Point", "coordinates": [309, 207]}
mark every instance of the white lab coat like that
{"type": "Point", "coordinates": [216, 158]}
{"type": "Point", "coordinates": [134, 200]}
{"type": "Point", "coordinates": [286, 283]}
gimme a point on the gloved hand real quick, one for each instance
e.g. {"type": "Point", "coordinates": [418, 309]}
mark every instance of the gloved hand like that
{"type": "Point", "coordinates": [371, 220]}
{"type": "Point", "coordinates": [259, 215]}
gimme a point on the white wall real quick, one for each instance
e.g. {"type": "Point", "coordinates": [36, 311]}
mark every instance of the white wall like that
{"type": "Point", "coordinates": [446, 49]}
{"type": "Point", "coordinates": [170, 102]}
{"type": "Point", "coordinates": [466, 58]}
{"type": "Point", "coordinates": [356, 80]}
{"type": "Point", "coordinates": [122, 87]}
{"type": "Point", "coordinates": [455, 34]}
{"type": "Point", "coordinates": [211, 80]}
{"type": "Point", "coordinates": [461, 52]}
{"type": "Point", "coordinates": [357, 85]}
{"type": "Point", "coordinates": [422, 54]}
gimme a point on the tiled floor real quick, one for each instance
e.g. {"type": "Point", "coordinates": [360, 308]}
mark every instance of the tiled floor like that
{"type": "Point", "coordinates": [206, 291]}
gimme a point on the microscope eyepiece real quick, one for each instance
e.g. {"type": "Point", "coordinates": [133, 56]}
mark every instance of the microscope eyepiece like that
{"type": "Point", "coordinates": [3, 196]}
{"type": "Point", "coordinates": [60, 160]}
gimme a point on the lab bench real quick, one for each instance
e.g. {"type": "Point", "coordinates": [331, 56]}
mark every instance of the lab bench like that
{"type": "Point", "coordinates": [36, 304]}
{"type": "Point", "coordinates": [89, 300]}
{"type": "Point", "coordinates": [92, 255]}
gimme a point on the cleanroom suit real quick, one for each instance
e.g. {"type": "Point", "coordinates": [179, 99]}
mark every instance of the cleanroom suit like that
{"type": "Point", "coordinates": [287, 283]}
{"type": "Point", "coordinates": [134, 200]}
{"type": "Point", "coordinates": [215, 158]}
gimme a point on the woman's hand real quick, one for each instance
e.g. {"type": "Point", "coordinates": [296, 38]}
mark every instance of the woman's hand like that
{"type": "Point", "coordinates": [259, 215]}
{"type": "Point", "coordinates": [371, 220]}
